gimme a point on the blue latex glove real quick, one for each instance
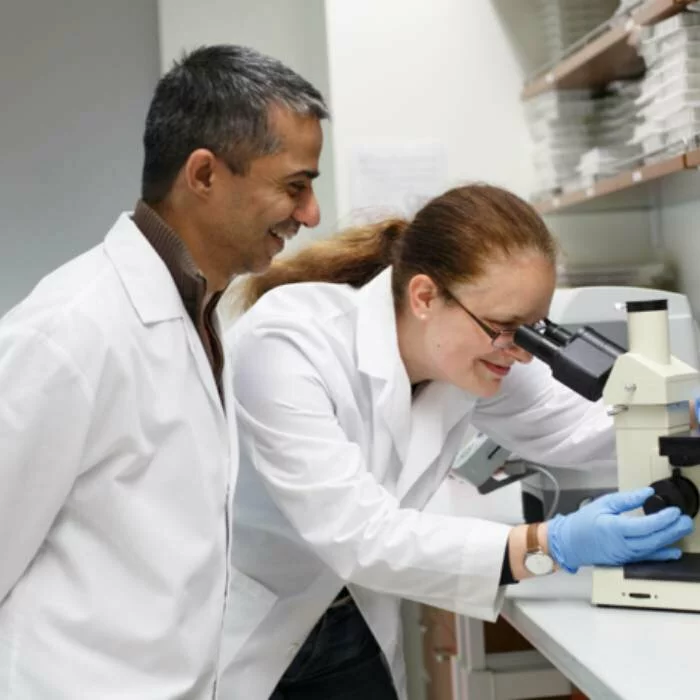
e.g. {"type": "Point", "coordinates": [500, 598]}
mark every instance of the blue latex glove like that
{"type": "Point", "coordinates": [598, 534]}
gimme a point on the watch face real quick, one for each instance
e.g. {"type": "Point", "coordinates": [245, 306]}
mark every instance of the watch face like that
{"type": "Point", "coordinates": [539, 563]}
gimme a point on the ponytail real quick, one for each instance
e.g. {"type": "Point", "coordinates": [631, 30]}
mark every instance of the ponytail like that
{"type": "Point", "coordinates": [352, 257]}
{"type": "Point", "coordinates": [452, 239]}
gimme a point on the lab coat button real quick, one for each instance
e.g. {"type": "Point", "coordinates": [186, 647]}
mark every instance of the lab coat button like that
{"type": "Point", "coordinates": [294, 648]}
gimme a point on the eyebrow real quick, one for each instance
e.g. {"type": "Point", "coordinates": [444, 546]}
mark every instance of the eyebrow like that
{"type": "Point", "coordinates": [311, 174]}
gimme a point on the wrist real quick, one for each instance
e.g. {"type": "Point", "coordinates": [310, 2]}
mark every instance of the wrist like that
{"type": "Point", "coordinates": [518, 549]}
{"type": "Point", "coordinates": [555, 542]}
{"type": "Point", "coordinates": [516, 552]}
{"type": "Point", "coordinates": [543, 537]}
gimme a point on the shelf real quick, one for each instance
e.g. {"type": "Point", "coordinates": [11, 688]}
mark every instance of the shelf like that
{"type": "Point", "coordinates": [609, 55]}
{"type": "Point", "coordinates": [621, 181]}
{"type": "Point", "coordinates": [692, 159]}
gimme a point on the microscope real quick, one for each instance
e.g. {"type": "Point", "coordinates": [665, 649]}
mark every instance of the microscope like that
{"type": "Point", "coordinates": [647, 391]}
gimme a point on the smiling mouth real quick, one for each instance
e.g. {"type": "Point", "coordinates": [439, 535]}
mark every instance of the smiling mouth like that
{"type": "Point", "coordinates": [498, 370]}
{"type": "Point", "coordinates": [283, 235]}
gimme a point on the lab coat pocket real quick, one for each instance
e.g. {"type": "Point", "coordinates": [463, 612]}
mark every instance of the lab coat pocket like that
{"type": "Point", "coordinates": [248, 605]}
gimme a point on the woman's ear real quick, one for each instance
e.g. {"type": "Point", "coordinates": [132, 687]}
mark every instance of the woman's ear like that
{"type": "Point", "coordinates": [422, 294]}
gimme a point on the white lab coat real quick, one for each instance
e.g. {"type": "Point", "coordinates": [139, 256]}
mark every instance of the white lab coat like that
{"type": "Point", "coordinates": [116, 471]}
{"type": "Point", "coordinates": [337, 462]}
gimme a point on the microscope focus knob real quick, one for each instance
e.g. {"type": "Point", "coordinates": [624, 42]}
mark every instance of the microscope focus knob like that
{"type": "Point", "coordinates": [675, 491]}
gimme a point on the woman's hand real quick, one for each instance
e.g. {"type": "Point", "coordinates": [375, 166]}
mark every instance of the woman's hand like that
{"type": "Point", "coordinates": [600, 534]}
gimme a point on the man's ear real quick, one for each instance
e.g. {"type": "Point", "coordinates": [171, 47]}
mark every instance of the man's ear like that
{"type": "Point", "coordinates": [199, 171]}
{"type": "Point", "coordinates": [422, 294]}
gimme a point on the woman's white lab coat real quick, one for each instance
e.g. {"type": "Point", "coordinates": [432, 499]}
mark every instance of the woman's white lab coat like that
{"type": "Point", "coordinates": [337, 463]}
{"type": "Point", "coordinates": [116, 462]}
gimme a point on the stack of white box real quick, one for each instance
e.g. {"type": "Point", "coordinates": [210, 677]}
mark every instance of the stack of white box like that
{"type": "Point", "coordinates": [669, 103]}
{"type": "Point", "coordinates": [626, 6]}
{"type": "Point", "coordinates": [652, 274]}
{"type": "Point", "coordinates": [566, 21]}
{"type": "Point", "coordinates": [578, 137]}
{"type": "Point", "coordinates": [612, 129]}
{"type": "Point", "coordinates": [558, 122]}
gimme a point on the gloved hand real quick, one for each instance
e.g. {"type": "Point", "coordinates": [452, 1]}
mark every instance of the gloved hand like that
{"type": "Point", "coordinates": [597, 534]}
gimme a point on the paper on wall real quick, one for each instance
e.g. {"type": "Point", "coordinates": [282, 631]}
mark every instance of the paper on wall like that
{"type": "Point", "coordinates": [390, 180]}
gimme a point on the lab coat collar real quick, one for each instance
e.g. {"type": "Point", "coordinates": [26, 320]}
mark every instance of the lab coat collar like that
{"type": "Point", "coordinates": [154, 294]}
{"type": "Point", "coordinates": [418, 433]}
{"type": "Point", "coordinates": [377, 344]}
{"type": "Point", "coordinates": [436, 411]}
{"type": "Point", "coordinates": [378, 357]}
{"type": "Point", "coordinates": [145, 277]}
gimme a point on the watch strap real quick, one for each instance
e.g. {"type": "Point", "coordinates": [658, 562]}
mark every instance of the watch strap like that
{"type": "Point", "coordinates": [531, 542]}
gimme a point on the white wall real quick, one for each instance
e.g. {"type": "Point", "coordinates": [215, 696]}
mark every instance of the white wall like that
{"type": "Point", "coordinates": [75, 82]}
{"type": "Point", "coordinates": [679, 223]}
{"type": "Point", "coordinates": [293, 32]}
{"type": "Point", "coordinates": [410, 71]}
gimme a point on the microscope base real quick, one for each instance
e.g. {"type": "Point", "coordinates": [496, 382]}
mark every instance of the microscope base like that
{"type": "Point", "coordinates": [652, 585]}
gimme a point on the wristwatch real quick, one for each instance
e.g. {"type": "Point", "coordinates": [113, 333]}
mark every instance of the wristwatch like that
{"type": "Point", "coordinates": [537, 562]}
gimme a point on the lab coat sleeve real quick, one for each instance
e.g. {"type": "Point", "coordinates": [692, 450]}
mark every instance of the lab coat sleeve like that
{"type": "Point", "coordinates": [44, 415]}
{"type": "Point", "coordinates": [319, 479]}
{"type": "Point", "coordinates": [546, 422]}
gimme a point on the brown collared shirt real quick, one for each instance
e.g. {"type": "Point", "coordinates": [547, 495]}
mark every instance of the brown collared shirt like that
{"type": "Point", "coordinates": [190, 283]}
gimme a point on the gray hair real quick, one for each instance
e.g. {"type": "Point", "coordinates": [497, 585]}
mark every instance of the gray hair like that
{"type": "Point", "coordinates": [219, 97]}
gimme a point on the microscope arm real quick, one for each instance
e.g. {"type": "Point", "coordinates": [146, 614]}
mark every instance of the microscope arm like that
{"type": "Point", "coordinates": [483, 463]}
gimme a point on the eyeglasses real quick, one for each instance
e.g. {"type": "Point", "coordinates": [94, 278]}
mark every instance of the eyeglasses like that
{"type": "Point", "coordinates": [501, 340]}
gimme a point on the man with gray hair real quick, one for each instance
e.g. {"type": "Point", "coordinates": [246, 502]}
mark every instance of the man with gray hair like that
{"type": "Point", "coordinates": [117, 429]}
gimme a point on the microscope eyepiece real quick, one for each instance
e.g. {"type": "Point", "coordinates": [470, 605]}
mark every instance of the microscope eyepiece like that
{"type": "Point", "coordinates": [533, 340]}
{"type": "Point", "coordinates": [581, 360]}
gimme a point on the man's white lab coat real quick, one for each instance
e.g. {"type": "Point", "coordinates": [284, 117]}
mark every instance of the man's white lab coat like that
{"type": "Point", "coordinates": [116, 470]}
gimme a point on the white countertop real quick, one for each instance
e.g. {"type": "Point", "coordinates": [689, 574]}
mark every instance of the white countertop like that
{"type": "Point", "coordinates": [614, 653]}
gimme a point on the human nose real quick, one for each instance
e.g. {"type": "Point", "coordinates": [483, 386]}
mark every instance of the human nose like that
{"type": "Point", "coordinates": [308, 212]}
{"type": "Point", "coordinates": [518, 354]}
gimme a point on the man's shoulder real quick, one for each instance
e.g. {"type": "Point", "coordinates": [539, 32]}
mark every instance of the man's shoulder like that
{"type": "Point", "coordinates": [72, 288]}
{"type": "Point", "coordinates": [73, 308]}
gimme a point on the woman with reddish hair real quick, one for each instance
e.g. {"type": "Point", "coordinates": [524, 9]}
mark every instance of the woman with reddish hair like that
{"type": "Point", "coordinates": [358, 367]}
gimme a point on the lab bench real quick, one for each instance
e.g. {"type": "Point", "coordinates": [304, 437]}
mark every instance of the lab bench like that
{"type": "Point", "coordinates": [609, 653]}
{"type": "Point", "coordinates": [605, 653]}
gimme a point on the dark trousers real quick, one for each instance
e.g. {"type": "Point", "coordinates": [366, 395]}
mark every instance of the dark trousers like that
{"type": "Point", "coordinates": [340, 660]}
